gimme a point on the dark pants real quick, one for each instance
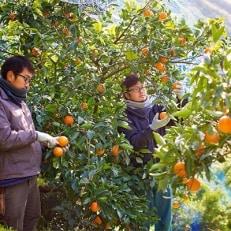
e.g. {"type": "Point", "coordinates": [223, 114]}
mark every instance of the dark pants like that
{"type": "Point", "coordinates": [162, 201]}
{"type": "Point", "coordinates": [22, 206]}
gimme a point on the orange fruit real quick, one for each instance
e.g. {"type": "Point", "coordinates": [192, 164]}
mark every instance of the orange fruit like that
{"type": "Point", "coordinates": [186, 197]}
{"type": "Point", "coordinates": [95, 52]}
{"type": "Point", "coordinates": [193, 185]}
{"type": "Point", "coordinates": [179, 169]}
{"type": "Point", "coordinates": [160, 66]}
{"type": "Point", "coordinates": [97, 220]}
{"type": "Point", "coordinates": [175, 204]}
{"type": "Point", "coordinates": [162, 16]}
{"type": "Point", "coordinates": [35, 51]}
{"type": "Point", "coordinates": [58, 151]}
{"type": "Point", "coordinates": [163, 59]}
{"type": "Point", "coordinates": [63, 141]}
{"type": "Point", "coordinates": [207, 50]}
{"type": "Point", "coordinates": [99, 151]}
{"type": "Point", "coordinates": [94, 206]}
{"type": "Point", "coordinates": [66, 31]}
{"type": "Point", "coordinates": [145, 51]}
{"type": "Point", "coordinates": [182, 41]}
{"type": "Point", "coordinates": [200, 151]}
{"type": "Point", "coordinates": [148, 72]}
{"type": "Point", "coordinates": [212, 137]}
{"type": "Point", "coordinates": [115, 150]}
{"type": "Point", "coordinates": [84, 106]}
{"type": "Point", "coordinates": [100, 88]}
{"type": "Point", "coordinates": [68, 120]}
{"type": "Point", "coordinates": [164, 79]}
{"type": "Point", "coordinates": [147, 13]}
{"type": "Point", "coordinates": [224, 124]}
{"type": "Point", "coordinates": [163, 114]}
{"type": "Point", "coordinates": [107, 226]}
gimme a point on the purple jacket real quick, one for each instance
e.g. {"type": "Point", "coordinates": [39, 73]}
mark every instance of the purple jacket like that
{"type": "Point", "coordinates": [20, 153]}
{"type": "Point", "coordinates": [140, 135]}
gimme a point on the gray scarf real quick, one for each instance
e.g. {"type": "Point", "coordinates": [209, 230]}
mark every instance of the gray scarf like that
{"type": "Point", "coordinates": [17, 95]}
{"type": "Point", "coordinates": [139, 105]}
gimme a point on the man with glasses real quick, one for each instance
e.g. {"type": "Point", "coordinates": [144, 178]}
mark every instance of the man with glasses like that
{"type": "Point", "coordinates": [143, 119]}
{"type": "Point", "coordinates": [20, 148]}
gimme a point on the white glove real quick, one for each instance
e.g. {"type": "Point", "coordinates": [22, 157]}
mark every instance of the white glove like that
{"type": "Point", "coordinates": [46, 138]}
{"type": "Point", "coordinates": [66, 148]}
{"type": "Point", "coordinates": [179, 90]}
{"type": "Point", "coordinates": [156, 123]}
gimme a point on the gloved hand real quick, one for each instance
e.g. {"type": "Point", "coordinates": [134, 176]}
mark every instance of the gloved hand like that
{"type": "Point", "coordinates": [46, 138]}
{"type": "Point", "coordinates": [179, 90]}
{"type": "Point", "coordinates": [66, 148]}
{"type": "Point", "coordinates": [156, 123]}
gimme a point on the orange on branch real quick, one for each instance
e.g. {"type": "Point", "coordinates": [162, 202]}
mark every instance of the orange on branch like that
{"type": "Point", "coordinates": [94, 206]}
{"type": "Point", "coordinates": [145, 51]}
{"type": "Point", "coordinates": [163, 59]}
{"type": "Point", "coordinates": [68, 120]}
{"type": "Point", "coordinates": [97, 220]}
{"type": "Point", "coordinates": [58, 151]}
{"type": "Point", "coordinates": [147, 13]}
{"type": "Point", "coordinates": [193, 185]}
{"type": "Point", "coordinates": [160, 66]}
{"type": "Point", "coordinates": [84, 106]}
{"type": "Point", "coordinates": [212, 137]}
{"type": "Point", "coordinates": [115, 150]}
{"type": "Point", "coordinates": [224, 124]}
{"type": "Point", "coordinates": [63, 141]}
{"type": "Point", "coordinates": [162, 16]}
{"type": "Point", "coordinates": [175, 204]}
{"type": "Point", "coordinates": [100, 88]}
{"type": "Point", "coordinates": [182, 41]}
{"type": "Point", "coordinates": [200, 151]}
{"type": "Point", "coordinates": [99, 151]}
{"type": "Point", "coordinates": [164, 79]}
{"type": "Point", "coordinates": [179, 169]}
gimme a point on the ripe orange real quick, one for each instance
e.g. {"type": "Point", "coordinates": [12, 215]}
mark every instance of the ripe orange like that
{"type": "Point", "coordinates": [95, 52]}
{"type": "Point", "coordinates": [147, 13]}
{"type": "Point", "coordinates": [212, 137]}
{"type": "Point", "coordinates": [94, 207]}
{"type": "Point", "coordinates": [200, 151]}
{"type": "Point", "coordinates": [100, 88]}
{"type": "Point", "coordinates": [163, 114]}
{"type": "Point", "coordinates": [97, 220]}
{"type": "Point", "coordinates": [63, 141]}
{"type": "Point", "coordinates": [145, 51]}
{"type": "Point", "coordinates": [84, 106]}
{"type": "Point", "coordinates": [186, 197]}
{"type": "Point", "coordinates": [175, 204]}
{"type": "Point", "coordinates": [115, 150]}
{"type": "Point", "coordinates": [68, 120]}
{"type": "Point", "coordinates": [163, 59]}
{"type": "Point", "coordinates": [162, 16]}
{"type": "Point", "coordinates": [179, 169]}
{"type": "Point", "coordinates": [208, 50]}
{"type": "Point", "coordinates": [160, 66]}
{"type": "Point", "coordinates": [182, 41]}
{"type": "Point", "coordinates": [164, 79]}
{"type": "Point", "coordinates": [58, 151]}
{"type": "Point", "coordinates": [99, 151]}
{"type": "Point", "coordinates": [193, 185]}
{"type": "Point", "coordinates": [148, 72]}
{"type": "Point", "coordinates": [224, 124]}
{"type": "Point", "coordinates": [35, 51]}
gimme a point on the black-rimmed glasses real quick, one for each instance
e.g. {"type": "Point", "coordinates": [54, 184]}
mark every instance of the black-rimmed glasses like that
{"type": "Point", "coordinates": [26, 78]}
{"type": "Point", "coordinates": [137, 89]}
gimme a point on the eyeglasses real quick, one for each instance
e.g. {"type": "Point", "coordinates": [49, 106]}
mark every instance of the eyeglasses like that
{"type": "Point", "coordinates": [26, 78]}
{"type": "Point", "coordinates": [137, 89]}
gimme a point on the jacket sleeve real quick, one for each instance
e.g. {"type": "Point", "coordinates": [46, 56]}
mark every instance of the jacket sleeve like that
{"type": "Point", "coordinates": [139, 140]}
{"type": "Point", "coordinates": [14, 138]}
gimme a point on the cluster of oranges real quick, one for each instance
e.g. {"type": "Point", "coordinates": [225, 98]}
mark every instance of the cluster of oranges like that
{"type": "Point", "coordinates": [115, 150]}
{"type": "Point", "coordinates": [62, 142]}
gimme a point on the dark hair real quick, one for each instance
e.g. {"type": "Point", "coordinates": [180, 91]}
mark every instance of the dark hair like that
{"type": "Point", "coordinates": [129, 81]}
{"type": "Point", "coordinates": [16, 64]}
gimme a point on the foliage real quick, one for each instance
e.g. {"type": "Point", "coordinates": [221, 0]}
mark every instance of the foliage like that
{"type": "Point", "coordinates": [73, 52]}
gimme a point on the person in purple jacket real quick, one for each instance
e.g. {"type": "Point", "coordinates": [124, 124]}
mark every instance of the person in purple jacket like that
{"type": "Point", "coordinates": [143, 119]}
{"type": "Point", "coordinates": [20, 148]}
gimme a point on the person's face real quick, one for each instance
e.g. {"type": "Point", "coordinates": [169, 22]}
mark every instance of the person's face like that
{"type": "Point", "coordinates": [21, 80]}
{"type": "Point", "coordinates": [136, 93]}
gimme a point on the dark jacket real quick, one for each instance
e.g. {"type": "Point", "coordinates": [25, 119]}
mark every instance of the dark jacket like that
{"type": "Point", "coordinates": [20, 153]}
{"type": "Point", "coordinates": [140, 135]}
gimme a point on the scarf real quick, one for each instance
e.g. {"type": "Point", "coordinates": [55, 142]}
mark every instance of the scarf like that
{"type": "Point", "coordinates": [17, 95]}
{"type": "Point", "coordinates": [148, 103]}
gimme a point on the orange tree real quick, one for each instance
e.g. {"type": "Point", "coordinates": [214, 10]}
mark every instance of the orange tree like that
{"type": "Point", "coordinates": [80, 58]}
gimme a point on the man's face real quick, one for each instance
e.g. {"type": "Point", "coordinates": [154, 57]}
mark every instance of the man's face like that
{"type": "Point", "coordinates": [21, 80]}
{"type": "Point", "coordinates": [136, 93]}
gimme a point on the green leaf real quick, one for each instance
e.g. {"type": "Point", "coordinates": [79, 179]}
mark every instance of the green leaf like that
{"type": "Point", "coordinates": [159, 139]}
